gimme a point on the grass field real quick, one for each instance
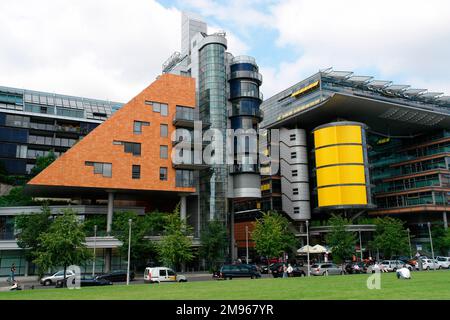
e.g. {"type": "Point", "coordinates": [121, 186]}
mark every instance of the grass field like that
{"type": "Point", "coordinates": [423, 285]}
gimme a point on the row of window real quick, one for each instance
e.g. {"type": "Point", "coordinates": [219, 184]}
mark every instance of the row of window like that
{"type": "Point", "coordinates": [50, 141]}
{"type": "Point", "coordinates": [105, 169]}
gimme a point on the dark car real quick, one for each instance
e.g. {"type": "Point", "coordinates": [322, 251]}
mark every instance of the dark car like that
{"type": "Point", "coordinates": [86, 281]}
{"type": "Point", "coordinates": [230, 271]}
{"type": "Point", "coordinates": [350, 268]}
{"type": "Point", "coordinates": [277, 270]}
{"type": "Point", "coordinates": [117, 276]}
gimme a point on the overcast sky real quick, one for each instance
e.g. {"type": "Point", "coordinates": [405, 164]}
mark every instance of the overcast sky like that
{"type": "Point", "coordinates": [112, 49]}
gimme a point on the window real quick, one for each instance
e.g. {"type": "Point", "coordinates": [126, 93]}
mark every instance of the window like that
{"type": "Point", "coordinates": [130, 147]}
{"type": "Point", "coordinates": [294, 173]}
{"type": "Point", "coordinates": [136, 172]}
{"type": "Point", "coordinates": [292, 137]}
{"type": "Point", "coordinates": [164, 130]}
{"type": "Point", "coordinates": [163, 173]}
{"type": "Point", "coordinates": [137, 126]}
{"type": "Point", "coordinates": [296, 210]}
{"type": "Point", "coordinates": [170, 273]}
{"type": "Point", "coordinates": [163, 152]}
{"type": "Point", "coordinates": [293, 155]}
{"type": "Point", "coordinates": [295, 191]}
{"type": "Point", "coordinates": [162, 108]}
{"type": "Point", "coordinates": [105, 169]}
{"type": "Point", "coordinates": [162, 273]}
{"type": "Point", "coordinates": [21, 151]}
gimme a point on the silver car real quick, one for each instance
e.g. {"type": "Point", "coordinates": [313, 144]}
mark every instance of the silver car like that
{"type": "Point", "coordinates": [327, 268]}
{"type": "Point", "coordinates": [394, 265]}
{"type": "Point", "coordinates": [48, 281]}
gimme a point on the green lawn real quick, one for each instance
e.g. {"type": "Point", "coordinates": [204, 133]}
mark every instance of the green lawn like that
{"type": "Point", "coordinates": [423, 285]}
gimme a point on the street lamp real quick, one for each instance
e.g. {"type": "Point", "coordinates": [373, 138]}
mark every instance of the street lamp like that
{"type": "Point", "coordinates": [129, 250]}
{"type": "Point", "coordinates": [246, 243]}
{"type": "Point", "coordinates": [409, 240]}
{"type": "Point", "coordinates": [431, 242]}
{"type": "Point", "coordinates": [307, 244]}
{"type": "Point", "coordinates": [95, 244]}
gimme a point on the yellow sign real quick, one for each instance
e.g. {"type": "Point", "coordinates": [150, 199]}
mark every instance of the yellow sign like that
{"type": "Point", "coordinates": [303, 90]}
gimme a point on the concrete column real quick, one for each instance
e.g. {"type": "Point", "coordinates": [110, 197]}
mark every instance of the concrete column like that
{"type": "Point", "coordinates": [183, 208]}
{"type": "Point", "coordinates": [444, 218]}
{"type": "Point", "coordinates": [110, 212]}
{"type": "Point", "coordinates": [108, 258]}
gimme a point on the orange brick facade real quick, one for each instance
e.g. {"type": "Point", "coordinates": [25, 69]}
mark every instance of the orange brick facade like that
{"type": "Point", "coordinates": [70, 169]}
{"type": "Point", "coordinates": [239, 234]}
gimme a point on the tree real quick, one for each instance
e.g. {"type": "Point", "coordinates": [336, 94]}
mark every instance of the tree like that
{"type": "Point", "coordinates": [30, 227]}
{"type": "Point", "coordinates": [140, 227]}
{"type": "Point", "coordinates": [42, 163]}
{"type": "Point", "coordinates": [390, 236]}
{"type": "Point", "coordinates": [341, 242]}
{"type": "Point", "coordinates": [214, 243]}
{"type": "Point", "coordinates": [15, 198]}
{"type": "Point", "coordinates": [175, 247]}
{"type": "Point", "coordinates": [272, 236]}
{"type": "Point", "coordinates": [441, 239]}
{"type": "Point", "coordinates": [63, 243]}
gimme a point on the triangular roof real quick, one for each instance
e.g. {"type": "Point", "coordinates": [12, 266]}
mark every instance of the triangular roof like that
{"type": "Point", "coordinates": [70, 170]}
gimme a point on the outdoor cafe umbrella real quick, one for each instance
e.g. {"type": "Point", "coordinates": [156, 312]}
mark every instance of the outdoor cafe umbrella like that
{"type": "Point", "coordinates": [304, 249]}
{"type": "Point", "coordinates": [318, 249]}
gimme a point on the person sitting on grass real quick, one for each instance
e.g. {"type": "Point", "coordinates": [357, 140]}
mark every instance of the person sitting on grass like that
{"type": "Point", "coordinates": [403, 273]}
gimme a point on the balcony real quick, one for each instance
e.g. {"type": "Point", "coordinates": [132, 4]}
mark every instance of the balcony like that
{"type": "Point", "coordinates": [257, 113]}
{"type": "Point", "coordinates": [247, 94]}
{"type": "Point", "coordinates": [244, 74]}
{"type": "Point", "coordinates": [189, 164]}
{"type": "Point", "coordinates": [184, 183]}
{"type": "Point", "coordinates": [186, 119]}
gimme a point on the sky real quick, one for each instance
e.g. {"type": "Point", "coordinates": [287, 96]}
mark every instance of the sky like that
{"type": "Point", "coordinates": [112, 49]}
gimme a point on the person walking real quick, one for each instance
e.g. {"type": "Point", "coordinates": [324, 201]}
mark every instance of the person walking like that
{"type": "Point", "coordinates": [284, 271]}
{"type": "Point", "coordinates": [13, 272]}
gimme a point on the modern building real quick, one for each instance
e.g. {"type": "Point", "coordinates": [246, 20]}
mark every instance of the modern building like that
{"type": "Point", "coordinates": [359, 147]}
{"type": "Point", "coordinates": [32, 123]}
{"type": "Point", "coordinates": [228, 97]}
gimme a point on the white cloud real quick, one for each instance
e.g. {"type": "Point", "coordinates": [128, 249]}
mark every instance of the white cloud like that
{"type": "Point", "coordinates": [106, 49]}
{"type": "Point", "coordinates": [403, 40]}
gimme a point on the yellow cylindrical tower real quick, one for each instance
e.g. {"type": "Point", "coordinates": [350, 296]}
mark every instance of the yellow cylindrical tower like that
{"type": "Point", "coordinates": [341, 165]}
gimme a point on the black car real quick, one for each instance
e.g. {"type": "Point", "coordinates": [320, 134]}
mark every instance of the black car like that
{"type": "Point", "coordinates": [230, 271]}
{"type": "Point", "coordinates": [117, 276]}
{"type": "Point", "coordinates": [277, 271]}
{"type": "Point", "coordinates": [86, 281]}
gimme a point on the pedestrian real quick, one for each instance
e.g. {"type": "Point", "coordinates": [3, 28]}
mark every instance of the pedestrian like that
{"type": "Point", "coordinates": [290, 270]}
{"type": "Point", "coordinates": [403, 273]}
{"type": "Point", "coordinates": [284, 271]}
{"type": "Point", "coordinates": [13, 271]}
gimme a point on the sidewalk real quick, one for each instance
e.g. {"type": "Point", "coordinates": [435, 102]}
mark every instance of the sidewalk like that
{"type": "Point", "coordinates": [20, 279]}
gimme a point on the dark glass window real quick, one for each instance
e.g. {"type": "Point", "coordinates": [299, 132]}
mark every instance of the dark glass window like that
{"type": "Point", "coordinates": [293, 155]}
{"type": "Point", "coordinates": [163, 173]}
{"type": "Point", "coordinates": [164, 130]}
{"type": "Point", "coordinates": [102, 168]}
{"type": "Point", "coordinates": [137, 126]}
{"type": "Point", "coordinates": [294, 173]}
{"type": "Point", "coordinates": [130, 147]}
{"type": "Point", "coordinates": [136, 172]}
{"type": "Point", "coordinates": [163, 152]}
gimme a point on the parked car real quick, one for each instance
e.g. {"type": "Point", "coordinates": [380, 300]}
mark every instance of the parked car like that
{"type": "Point", "coordinates": [230, 271]}
{"type": "Point", "coordinates": [87, 281]}
{"type": "Point", "coordinates": [429, 264]}
{"type": "Point", "coordinates": [394, 265]}
{"type": "Point", "coordinates": [162, 274]}
{"type": "Point", "coordinates": [48, 281]}
{"type": "Point", "coordinates": [322, 269]}
{"type": "Point", "coordinates": [443, 262]}
{"type": "Point", "coordinates": [265, 268]}
{"type": "Point", "coordinates": [117, 276]}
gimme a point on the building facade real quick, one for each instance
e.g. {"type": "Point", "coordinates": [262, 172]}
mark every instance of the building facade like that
{"type": "Point", "coordinates": [372, 148]}
{"type": "Point", "coordinates": [228, 97]}
{"type": "Point", "coordinates": [32, 123]}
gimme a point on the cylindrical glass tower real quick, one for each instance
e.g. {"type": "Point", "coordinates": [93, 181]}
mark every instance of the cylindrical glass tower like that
{"type": "Point", "coordinates": [245, 114]}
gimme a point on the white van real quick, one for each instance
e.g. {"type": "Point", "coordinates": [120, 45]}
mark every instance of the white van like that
{"type": "Point", "coordinates": [162, 274]}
